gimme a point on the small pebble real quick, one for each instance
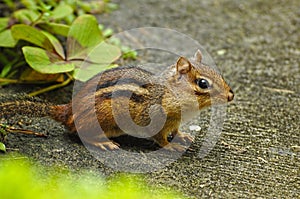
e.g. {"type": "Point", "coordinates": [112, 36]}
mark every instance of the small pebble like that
{"type": "Point", "coordinates": [195, 128]}
{"type": "Point", "coordinates": [221, 52]}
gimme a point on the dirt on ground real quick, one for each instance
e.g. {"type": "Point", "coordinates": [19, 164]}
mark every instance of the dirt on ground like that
{"type": "Point", "coordinates": [256, 46]}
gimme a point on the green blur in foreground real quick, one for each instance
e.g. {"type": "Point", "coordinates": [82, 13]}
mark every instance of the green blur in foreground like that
{"type": "Point", "coordinates": [20, 179]}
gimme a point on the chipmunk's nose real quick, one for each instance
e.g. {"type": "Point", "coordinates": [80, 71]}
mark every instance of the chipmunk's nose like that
{"type": "Point", "coordinates": [230, 95]}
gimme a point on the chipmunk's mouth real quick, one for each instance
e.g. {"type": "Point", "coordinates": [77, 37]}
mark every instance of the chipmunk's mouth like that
{"type": "Point", "coordinates": [230, 96]}
{"type": "Point", "coordinates": [220, 99]}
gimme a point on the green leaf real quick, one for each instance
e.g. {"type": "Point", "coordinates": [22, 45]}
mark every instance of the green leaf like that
{"type": "Point", "coordinates": [87, 71]}
{"type": "Point", "coordinates": [56, 44]}
{"type": "Point", "coordinates": [31, 75]}
{"type": "Point", "coordinates": [30, 4]}
{"type": "Point", "coordinates": [6, 69]}
{"type": "Point", "coordinates": [6, 39]}
{"type": "Point", "coordinates": [10, 4]}
{"type": "Point", "coordinates": [104, 53]}
{"type": "Point", "coordinates": [32, 35]}
{"type": "Point", "coordinates": [45, 8]}
{"type": "Point", "coordinates": [84, 33]}
{"type": "Point", "coordinates": [46, 62]}
{"type": "Point", "coordinates": [4, 23]}
{"type": "Point", "coordinates": [108, 32]}
{"type": "Point", "coordinates": [2, 147]}
{"type": "Point", "coordinates": [26, 16]}
{"type": "Point", "coordinates": [128, 53]}
{"type": "Point", "coordinates": [61, 11]}
{"type": "Point", "coordinates": [98, 60]}
{"type": "Point", "coordinates": [55, 28]}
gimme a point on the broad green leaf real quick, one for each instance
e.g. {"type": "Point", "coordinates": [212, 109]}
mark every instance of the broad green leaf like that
{"type": "Point", "coordinates": [87, 71]}
{"type": "Point", "coordinates": [30, 4]}
{"type": "Point", "coordinates": [56, 44]}
{"type": "Point", "coordinates": [31, 75]}
{"type": "Point", "coordinates": [61, 11]}
{"type": "Point", "coordinates": [84, 33]}
{"type": "Point", "coordinates": [4, 23]}
{"type": "Point", "coordinates": [98, 60]}
{"type": "Point", "coordinates": [6, 39]}
{"type": "Point", "coordinates": [32, 35]}
{"type": "Point", "coordinates": [55, 28]}
{"type": "Point", "coordinates": [46, 62]}
{"type": "Point", "coordinates": [26, 16]}
{"type": "Point", "coordinates": [104, 53]}
{"type": "Point", "coordinates": [2, 147]}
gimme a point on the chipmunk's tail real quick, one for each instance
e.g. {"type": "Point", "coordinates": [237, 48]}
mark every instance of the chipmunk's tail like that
{"type": "Point", "coordinates": [34, 109]}
{"type": "Point", "coordinates": [29, 108]}
{"type": "Point", "coordinates": [63, 113]}
{"type": "Point", "coordinates": [20, 104]}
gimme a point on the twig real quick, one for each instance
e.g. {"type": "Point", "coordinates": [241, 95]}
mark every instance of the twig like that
{"type": "Point", "coordinates": [12, 81]}
{"type": "Point", "coordinates": [279, 90]}
{"type": "Point", "coordinates": [50, 88]}
{"type": "Point", "coordinates": [16, 81]}
{"type": "Point", "coordinates": [22, 131]}
{"type": "Point", "coordinates": [27, 132]}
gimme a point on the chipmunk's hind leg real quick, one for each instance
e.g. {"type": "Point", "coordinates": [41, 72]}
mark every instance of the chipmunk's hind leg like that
{"type": "Point", "coordinates": [107, 145]}
{"type": "Point", "coordinates": [101, 142]}
{"type": "Point", "coordinates": [99, 138]}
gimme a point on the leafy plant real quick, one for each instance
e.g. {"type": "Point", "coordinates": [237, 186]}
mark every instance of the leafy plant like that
{"type": "Point", "coordinates": [58, 40]}
{"type": "Point", "coordinates": [20, 179]}
{"type": "Point", "coordinates": [3, 134]}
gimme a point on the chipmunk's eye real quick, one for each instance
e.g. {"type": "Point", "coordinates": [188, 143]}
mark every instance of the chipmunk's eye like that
{"type": "Point", "coordinates": [203, 83]}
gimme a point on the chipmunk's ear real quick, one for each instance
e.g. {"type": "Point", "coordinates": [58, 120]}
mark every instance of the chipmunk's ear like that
{"type": "Point", "coordinates": [198, 56]}
{"type": "Point", "coordinates": [183, 65]}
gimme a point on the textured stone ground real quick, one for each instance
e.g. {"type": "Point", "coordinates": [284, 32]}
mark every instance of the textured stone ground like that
{"type": "Point", "coordinates": [256, 45]}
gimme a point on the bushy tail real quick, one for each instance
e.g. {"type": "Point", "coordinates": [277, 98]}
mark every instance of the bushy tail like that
{"type": "Point", "coordinates": [34, 109]}
{"type": "Point", "coordinates": [20, 104]}
{"type": "Point", "coordinates": [63, 114]}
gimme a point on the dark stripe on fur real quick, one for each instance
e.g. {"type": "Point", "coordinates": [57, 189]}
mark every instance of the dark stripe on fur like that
{"type": "Point", "coordinates": [121, 82]}
{"type": "Point", "coordinates": [123, 93]}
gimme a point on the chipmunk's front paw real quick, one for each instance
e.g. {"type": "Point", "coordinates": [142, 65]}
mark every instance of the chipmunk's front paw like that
{"type": "Point", "coordinates": [175, 147]}
{"type": "Point", "coordinates": [107, 145]}
{"type": "Point", "coordinates": [183, 138]}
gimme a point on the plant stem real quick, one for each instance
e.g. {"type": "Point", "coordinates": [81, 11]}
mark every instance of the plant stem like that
{"type": "Point", "coordinates": [16, 81]}
{"type": "Point", "coordinates": [37, 20]}
{"type": "Point", "coordinates": [50, 88]}
{"type": "Point", "coordinates": [13, 81]}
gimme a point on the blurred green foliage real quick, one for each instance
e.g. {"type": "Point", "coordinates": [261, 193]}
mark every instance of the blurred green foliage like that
{"type": "Point", "coordinates": [21, 179]}
{"type": "Point", "coordinates": [55, 42]}
{"type": "Point", "coordinates": [54, 38]}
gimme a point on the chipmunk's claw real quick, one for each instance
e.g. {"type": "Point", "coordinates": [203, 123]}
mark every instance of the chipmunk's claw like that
{"type": "Point", "coordinates": [183, 138]}
{"type": "Point", "coordinates": [107, 145]}
{"type": "Point", "coordinates": [175, 147]}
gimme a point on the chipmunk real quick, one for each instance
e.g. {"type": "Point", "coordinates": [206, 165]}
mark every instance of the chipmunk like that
{"type": "Point", "coordinates": [130, 100]}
